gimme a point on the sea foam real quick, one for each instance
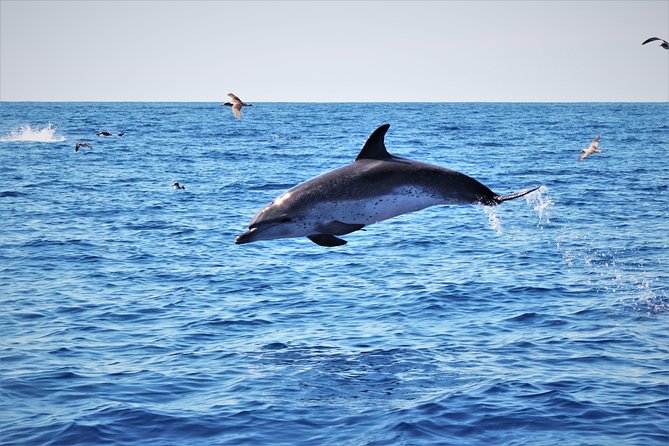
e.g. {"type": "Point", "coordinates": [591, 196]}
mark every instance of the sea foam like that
{"type": "Point", "coordinates": [26, 133]}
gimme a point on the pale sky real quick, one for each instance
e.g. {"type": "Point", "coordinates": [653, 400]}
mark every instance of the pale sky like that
{"type": "Point", "coordinates": [434, 51]}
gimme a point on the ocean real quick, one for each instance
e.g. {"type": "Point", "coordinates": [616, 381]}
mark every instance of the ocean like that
{"type": "Point", "coordinates": [130, 317]}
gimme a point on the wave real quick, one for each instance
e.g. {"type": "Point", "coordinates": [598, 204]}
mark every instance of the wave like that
{"type": "Point", "coordinates": [27, 133]}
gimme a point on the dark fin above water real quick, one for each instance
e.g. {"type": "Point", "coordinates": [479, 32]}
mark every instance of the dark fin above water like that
{"type": "Point", "coordinates": [374, 148]}
{"type": "Point", "coordinates": [499, 198]}
{"type": "Point", "coordinates": [338, 228]}
{"type": "Point", "coordinates": [327, 240]}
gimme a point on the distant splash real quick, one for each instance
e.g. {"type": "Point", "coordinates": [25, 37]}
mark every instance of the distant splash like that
{"type": "Point", "coordinates": [642, 297]}
{"type": "Point", "coordinates": [27, 133]}
{"type": "Point", "coordinates": [616, 273]}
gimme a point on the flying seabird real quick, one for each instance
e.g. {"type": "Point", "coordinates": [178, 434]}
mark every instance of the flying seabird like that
{"type": "Point", "coordinates": [664, 43]}
{"type": "Point", "coordinates": [82, 144]}
{"type": "Point", "coordinates": [236, 105]}
{"type": "Point", "coordinates": [592, 149]}
{"type": "Point", "coordinates": [176, 185]}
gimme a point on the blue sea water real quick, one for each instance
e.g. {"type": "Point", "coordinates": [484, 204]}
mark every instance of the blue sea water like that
{"type": "Point", "coordinates": [129, 317]}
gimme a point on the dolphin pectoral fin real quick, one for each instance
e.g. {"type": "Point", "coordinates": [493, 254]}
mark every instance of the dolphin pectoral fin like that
{"type": "Point", "coordinates": [338, 228]}
{"type": "Point", "coordinates": [327, 240]}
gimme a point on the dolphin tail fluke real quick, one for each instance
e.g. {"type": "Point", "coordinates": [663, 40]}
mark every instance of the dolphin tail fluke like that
{"type": "Point", "coordinates": [502, 198]}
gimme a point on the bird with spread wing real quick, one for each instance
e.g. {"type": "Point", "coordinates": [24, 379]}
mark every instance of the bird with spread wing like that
{"type": "Point", "coordinates": [664, 43]}
{"type": "Point", "coordinates": [592, 149]}
{"type": "Point", "coordinates": [236, 105]}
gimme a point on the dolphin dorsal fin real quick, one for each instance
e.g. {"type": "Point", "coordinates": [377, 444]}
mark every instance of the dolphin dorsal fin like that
{"type": "Point", "coordinates": [374, 148]}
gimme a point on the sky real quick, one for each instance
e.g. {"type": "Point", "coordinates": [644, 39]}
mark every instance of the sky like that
{"type": "Point", "coordinates": [334, 51]}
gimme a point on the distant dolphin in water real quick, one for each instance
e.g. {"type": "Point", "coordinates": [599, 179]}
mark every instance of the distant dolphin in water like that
{"type": "Point", "coordinates": [236, 105]}
{"type": "Point", "coordinates": [176, 185]}
{"type": "Point", "coordinates": [375, 187]}
{"type": "Point", "coordinates": [590, 150]}
{"type": "Point", "coordinates": [108, 134]}
{"type": "Point", "coordinates": [664, 43]}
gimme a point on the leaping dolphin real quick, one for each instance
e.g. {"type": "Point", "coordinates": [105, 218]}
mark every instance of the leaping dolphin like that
{"type": "Point", "coordinates": [375, 187]}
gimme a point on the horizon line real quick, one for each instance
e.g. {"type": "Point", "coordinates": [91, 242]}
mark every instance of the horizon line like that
{"type": "Point", "coordinates": [346, 102]}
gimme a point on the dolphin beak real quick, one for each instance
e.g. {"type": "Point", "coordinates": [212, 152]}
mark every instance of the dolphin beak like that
{"type": "Point", "coordinates": [245, 237]}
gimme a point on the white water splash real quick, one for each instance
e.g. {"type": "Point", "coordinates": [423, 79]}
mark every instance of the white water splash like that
{"type": "Point", "coordinates": [27, 133]}
{"type": "Point", "coordinates": [617, 273]}
{"type": "Point", "coordinates": [494, 219]}
{"type": "Point", "coordinates": [642, 296]}
{"type": "Point", "coordinates": [542, 203]}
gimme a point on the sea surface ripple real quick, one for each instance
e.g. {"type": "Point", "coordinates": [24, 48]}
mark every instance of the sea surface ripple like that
{"type": "Point", "coordinates": [130, 317]}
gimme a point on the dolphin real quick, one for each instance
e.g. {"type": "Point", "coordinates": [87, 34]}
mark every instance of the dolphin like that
{"type": "Point", "coordinates": [376, 186]}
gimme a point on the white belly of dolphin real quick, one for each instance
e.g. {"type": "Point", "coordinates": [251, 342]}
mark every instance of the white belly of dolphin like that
{"type": "Point", "coordinates": [370, 210]}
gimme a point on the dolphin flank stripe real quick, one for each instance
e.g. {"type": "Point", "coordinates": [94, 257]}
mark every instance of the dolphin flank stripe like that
{"type": "Point", "coordinates": [376, 186]}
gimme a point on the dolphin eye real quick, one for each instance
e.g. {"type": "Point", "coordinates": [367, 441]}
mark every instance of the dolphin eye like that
{"type": "Point", "coordinates": [285, 220]}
